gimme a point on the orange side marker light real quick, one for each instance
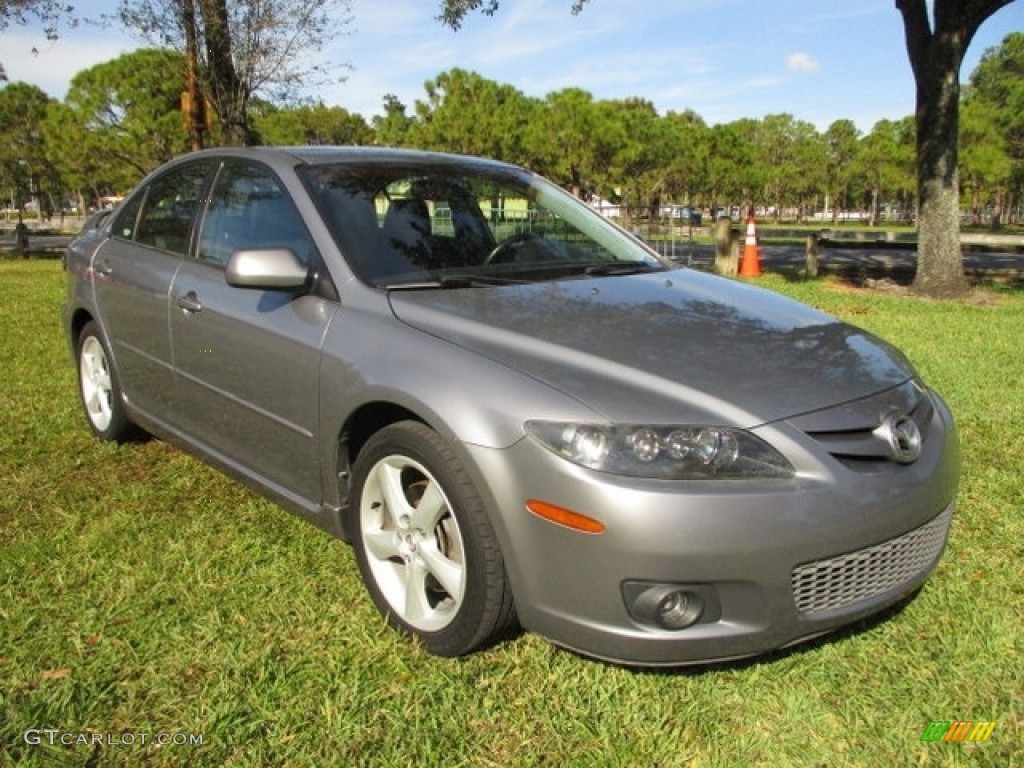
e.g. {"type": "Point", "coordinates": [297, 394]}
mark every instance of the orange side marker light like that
{"type": "Point", "coordinates": [564, 517]}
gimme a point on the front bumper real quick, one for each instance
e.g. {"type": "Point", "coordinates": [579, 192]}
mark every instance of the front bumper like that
{"type": "Point", "coordinates": [777, 562]}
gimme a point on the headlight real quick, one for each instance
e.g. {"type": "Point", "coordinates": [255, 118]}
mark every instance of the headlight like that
{"type": "Point", "coordinates": [669, 452]}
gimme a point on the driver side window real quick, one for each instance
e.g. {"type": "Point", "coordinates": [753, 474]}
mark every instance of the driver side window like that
{"type": "Point", "coordinates": [248, 208]}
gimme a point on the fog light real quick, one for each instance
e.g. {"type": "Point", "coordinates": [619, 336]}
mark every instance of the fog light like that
{"type": "Point", "coordinates": [673, 609]}
{"type": "Point", "coordinates": [668, 606]}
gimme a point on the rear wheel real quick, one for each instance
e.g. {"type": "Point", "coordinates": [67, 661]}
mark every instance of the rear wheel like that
{"type": "Point", "coordinates": [426, 551]}
{"type": "Point", "coordinates": [100, 390]}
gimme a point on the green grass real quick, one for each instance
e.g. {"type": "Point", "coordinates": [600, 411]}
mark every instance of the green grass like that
{"type": "Point", "coordinates": [141, 592]}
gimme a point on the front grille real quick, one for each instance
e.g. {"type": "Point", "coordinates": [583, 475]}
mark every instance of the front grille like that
{"type": "Point", "coordinates": [850, 431]}
{"type": "Point", "coordinates": [836, 582]}
{"type": "Point", "coordinates": [866, 443]}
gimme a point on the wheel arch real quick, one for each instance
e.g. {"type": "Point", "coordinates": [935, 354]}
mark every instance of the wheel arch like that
{"type": "Point", "coordinates": [364, 422]}
{"type": "Point", "coordinates": [374, 415]}
{"type": "Point", "coordinates": [123, 427]}
{"type": "Point", "coordinates": [76, 322]}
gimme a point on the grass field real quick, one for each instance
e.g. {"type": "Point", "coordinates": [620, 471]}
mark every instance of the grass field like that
{"type": "Point", "coordinates": [142, 594]}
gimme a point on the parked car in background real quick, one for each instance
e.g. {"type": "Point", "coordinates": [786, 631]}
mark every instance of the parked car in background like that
{"type": "Point", "coordinates": [687, 215]}
{"type": "Point", "coordinates": [96, 219]}
{"type": "Point", "coordinates": [514, 411]}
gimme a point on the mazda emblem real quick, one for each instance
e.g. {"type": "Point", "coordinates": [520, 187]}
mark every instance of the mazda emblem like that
{"type": "Point", "coordinates": [903, 437]}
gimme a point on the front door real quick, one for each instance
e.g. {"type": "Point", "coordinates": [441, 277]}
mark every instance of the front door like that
{"type": "Point", "coordinates": [247, 361]}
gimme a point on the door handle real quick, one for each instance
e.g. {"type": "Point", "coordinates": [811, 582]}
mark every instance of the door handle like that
{"type": "Point", "coordinates": [189, 302]}
{"type": "Point", "coordinates": [104, 269]}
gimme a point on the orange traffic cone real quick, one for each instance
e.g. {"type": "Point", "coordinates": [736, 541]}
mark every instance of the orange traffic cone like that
{"type": "Point", "coordinates": [750, 266]}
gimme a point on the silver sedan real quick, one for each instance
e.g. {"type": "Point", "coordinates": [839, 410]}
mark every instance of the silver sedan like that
{"type": "Point", "coordinates": [515, 412]}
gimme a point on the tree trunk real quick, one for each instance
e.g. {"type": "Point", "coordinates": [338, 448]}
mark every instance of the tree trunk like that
{"type": "Point", "coordinates": [935, 58]}
{"type": "Point", "coordinates": [194, 103]}
{"type": "Point", "coordinates": [940, 270]}
{"type": "Point", "coordinates": [226, 89]}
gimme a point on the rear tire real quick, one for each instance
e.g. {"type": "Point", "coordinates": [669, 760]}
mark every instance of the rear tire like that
{"type": "Point", "coordinates": [100, 389]}
{"type": "Point", "coordinates": [425, 548]}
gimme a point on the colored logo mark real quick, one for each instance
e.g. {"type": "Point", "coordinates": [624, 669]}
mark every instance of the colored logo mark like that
{"type": "Point", "coordinates": [958, 730]}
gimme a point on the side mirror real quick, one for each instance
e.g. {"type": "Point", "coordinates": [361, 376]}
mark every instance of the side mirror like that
{"type": "Point", "coordinates": [267, 269]}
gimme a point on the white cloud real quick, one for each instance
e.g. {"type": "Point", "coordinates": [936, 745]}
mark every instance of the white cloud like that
{"type": "Point", "coordinates": [802, 62]}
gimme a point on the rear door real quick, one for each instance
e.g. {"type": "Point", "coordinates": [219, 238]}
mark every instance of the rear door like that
{"type": "Point", "coordinates": [247, 361]}
{"type": "Point", "coordinates": [133, 273]}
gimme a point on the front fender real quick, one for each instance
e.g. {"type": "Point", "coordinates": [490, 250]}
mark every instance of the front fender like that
{"type": "Point", "coordinates": [369, 357]}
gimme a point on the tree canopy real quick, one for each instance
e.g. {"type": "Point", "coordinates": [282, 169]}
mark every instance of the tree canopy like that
{"type": "Point", "coordinates": [938, 33]}
{"type": "Point", "coordinates": [241, 48]}
{"type": "Point", "coordinates": [47, 12]}
{"type": "Point", "coordinates": [454, 11]}
{"type": "Point", "coordinates": [23, 161]}
{"type": "Point", "coordinates": [122, 118]}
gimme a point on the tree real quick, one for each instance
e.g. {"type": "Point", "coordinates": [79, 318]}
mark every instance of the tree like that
{"type": "Point", "coordinates": [792, 156]}
{"type": "Point", "coordinates": [454, 11]}
{"type": "Point", "coordinates": [998, 81]}
{"type": "Point", "coordinates": [48, 12]}
{"type": "Point", "coordinates": [562, 141]}
{"type": "Point", "coordinates": [885, 161]}
{"type": "Point", "coordinates": [686, 143]}
{"type": "Point", "coordinates": [841, 145]}
{"type": "Point", "coordinates": [309, 124]}
{"type": "Point", "coordinates": [730, 163]}
{"type": "Point", "coordinates": [985, 164]}
{"type": "Point", "coordinates": [936, 53]}
{"type": "Point", "coordinates": [994, 117]}
{"type": "Point", "coordinates": [635, 153]}
{"type": "Point", "coordinates": [24, 167]}
{"type": "Point", "coordinates": [242, 47]}
{"type": "Point", "coordinates": [126, 112]}
{"type": "Point", "coordinates": [393, 129]}
{"type": "Point", "coordinates": [467, 113]}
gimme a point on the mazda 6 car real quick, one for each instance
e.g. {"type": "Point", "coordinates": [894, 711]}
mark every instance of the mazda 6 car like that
{"type": "Point", "coordinates": [515, 412]}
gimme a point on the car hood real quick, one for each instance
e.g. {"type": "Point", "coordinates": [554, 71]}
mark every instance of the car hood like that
{"type": "Point", "coordinates": [679, 346]}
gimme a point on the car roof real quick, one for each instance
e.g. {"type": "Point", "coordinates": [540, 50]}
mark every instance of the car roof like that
{"type": "Point", "coordinates": [329, 155]}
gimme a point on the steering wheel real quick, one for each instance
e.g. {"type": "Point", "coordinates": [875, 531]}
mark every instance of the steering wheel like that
{"type": "Point", "coordinates": [507, 251]}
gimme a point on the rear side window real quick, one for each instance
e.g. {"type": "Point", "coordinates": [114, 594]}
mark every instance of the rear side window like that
{"type": "Point", "coordinates": [170, 203]}
{"type": "Point", "coordinates": [127, 216]}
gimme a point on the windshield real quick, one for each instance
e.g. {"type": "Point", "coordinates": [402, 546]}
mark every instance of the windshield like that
{"type": "Point", "coordinates": [453, 226]}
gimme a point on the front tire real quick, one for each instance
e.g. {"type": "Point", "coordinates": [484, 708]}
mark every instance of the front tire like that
{"type": "Point", "coordinates": [426, 551]}
{"type": "Point", "coordinates": [100, 389]}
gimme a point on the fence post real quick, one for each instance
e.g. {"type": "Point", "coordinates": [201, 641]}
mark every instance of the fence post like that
{"type": "Point", "coordinates": [21, 239]}
{"type": "Point", "coordinates": [726, 248]}
{"type": "Point", "coordinates": [812, 255]}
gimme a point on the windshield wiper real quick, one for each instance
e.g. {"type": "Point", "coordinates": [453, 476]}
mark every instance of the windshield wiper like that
{"type": "Point", "coordinates": [452, 282]}
{"type": "Point", "coordinates": [613, 269]}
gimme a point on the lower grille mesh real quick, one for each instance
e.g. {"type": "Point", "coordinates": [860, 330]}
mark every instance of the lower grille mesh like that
{"type": "Point", "coordinates": [826, 585]}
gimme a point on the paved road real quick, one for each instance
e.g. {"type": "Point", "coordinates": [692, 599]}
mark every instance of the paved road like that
{"type": "Point", "coordinates": [897, 263]}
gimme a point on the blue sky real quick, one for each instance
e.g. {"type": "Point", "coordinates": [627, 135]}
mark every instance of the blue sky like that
{"type": "Point", "coordinates": [725, 59]}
